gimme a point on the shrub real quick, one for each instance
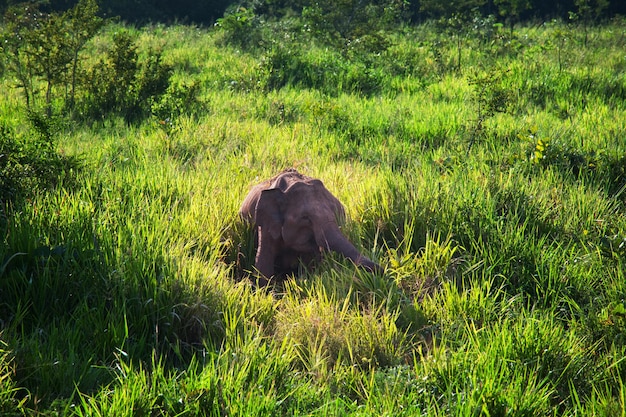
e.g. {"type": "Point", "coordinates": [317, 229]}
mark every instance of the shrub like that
{"type": "Point", "coordinates": [42, 47]}
{"type": "Point", "coordinates": [326, 71]}
{"type": "Point", "coordinates": [347, 20]}
{"type": "Point", "coordinates": [121, 84]}
{"type": "Point", "coordinates": [31, 163]}
{"type": "Point", "coordinates": [240, 27]}
{"type": "Point", "coordinates": [176, 101]}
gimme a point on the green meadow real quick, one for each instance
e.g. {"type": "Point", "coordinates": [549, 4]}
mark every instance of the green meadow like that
{"type": "Point", "coordinates": [485, 171]}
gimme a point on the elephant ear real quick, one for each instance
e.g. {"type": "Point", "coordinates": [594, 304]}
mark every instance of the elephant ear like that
{"type": "Point", "coordinates": [269, 212]}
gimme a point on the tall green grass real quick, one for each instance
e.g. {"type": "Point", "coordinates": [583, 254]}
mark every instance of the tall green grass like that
{"type": "Point", "coordinates": [128, 293]}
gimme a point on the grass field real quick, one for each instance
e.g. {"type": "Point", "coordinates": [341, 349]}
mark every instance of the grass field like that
{"type": "Point", "coordinates": [494, 195]}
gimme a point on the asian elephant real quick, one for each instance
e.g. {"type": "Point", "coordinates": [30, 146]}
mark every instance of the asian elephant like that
{"type": "Point", "coordinates": [296, 219]}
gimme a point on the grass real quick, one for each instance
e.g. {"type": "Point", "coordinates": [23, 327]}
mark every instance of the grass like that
{"type": "Point", "coordinates": [126, 293]}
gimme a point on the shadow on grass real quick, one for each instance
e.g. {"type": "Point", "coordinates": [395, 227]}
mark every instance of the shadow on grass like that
{"type": "Point", "coordinates": [70, 313]}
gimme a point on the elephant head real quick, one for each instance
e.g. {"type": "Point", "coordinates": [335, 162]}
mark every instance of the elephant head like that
{"type": "Point", "coordinates": [297, 218]}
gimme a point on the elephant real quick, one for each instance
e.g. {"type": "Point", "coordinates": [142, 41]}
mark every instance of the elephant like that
{"type": "Point", "coordinates": [296, 218]}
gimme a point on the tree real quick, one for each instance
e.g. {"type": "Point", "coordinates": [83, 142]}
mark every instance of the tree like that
{"type": "Point", "coordinates": [455, 18]}
{"type": "Point", "coordinates": [83, 24]}
{"type": "Point", "coordinates": [21, 24]}
{"type": "Point", "coordinates": [512, 9]}
{"type": "Point", "coordinates": [350, 19]}
{"type": "Point", "coordinates": [448, 8]}
{"type": "Point", "coordinates": [588, 11]}
{"type": "Point", "coordinates": [45, 47]}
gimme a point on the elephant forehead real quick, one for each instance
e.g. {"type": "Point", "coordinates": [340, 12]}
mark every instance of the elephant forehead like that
{"type": "Point", "coordinates": [313, 213]}
{"type": "Point", "coordinates": [288, 178]}
{"type": "Point", "coordinates": [316, 196]}
{"type": "Point", "coordinates": [301, 184]}
{"type": "Point", "coordinates": [308, 190]}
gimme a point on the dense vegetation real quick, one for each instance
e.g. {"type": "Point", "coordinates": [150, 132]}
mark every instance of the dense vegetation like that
{"type": "Point", "coordinates": [484, 166]}
{"type": "Point", "coordinates": [206, 12]}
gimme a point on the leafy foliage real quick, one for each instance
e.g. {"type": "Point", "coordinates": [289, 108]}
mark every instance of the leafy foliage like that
{"type": "Point", "coordinates": [46, 46]}
{"type": "Point", "coordinates": [121, 84]}
{"type": "Point", "coordinates": [491, 96]}
{"type": "Point", "coordinates": [32, 163]}
{"type": "Point", "coordinates": [512, 9]}
{"type": "Point", "coordinates": [328, 72]}
{"type": "Point", "coordinates": [241, 27]}
{"type": "Point", "coordinates": [348, 20]}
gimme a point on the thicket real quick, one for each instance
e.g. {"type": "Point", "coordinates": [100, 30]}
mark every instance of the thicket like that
{"type": "Point", "coordinates": [44, 52]}
{"type": "Point", "coordinates": [44, 48]}
{"type": "Point", "coordinates": [30, 161]}
{"type": "Point", "coordinates": [208, 11]}
{"type": "Point", "coordinates": [49, 49]}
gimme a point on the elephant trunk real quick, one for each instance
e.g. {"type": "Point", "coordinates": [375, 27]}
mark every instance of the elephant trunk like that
{"type": "Point", "coordinates": [333, 239]}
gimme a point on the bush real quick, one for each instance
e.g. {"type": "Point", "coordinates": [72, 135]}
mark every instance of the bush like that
{"type": "Point", "coordinates": [348, 20]}
{"type": "Point", "coordinates": [121, 84]}
{"type": "Point", "coordinates": [241, 27]}
{"type": "Point", "coordinates": [45, 48]}
{"type": "Point", "coordinates": [326, 71]}
{"type": "Point", "coordinates": [32, 163]}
